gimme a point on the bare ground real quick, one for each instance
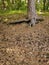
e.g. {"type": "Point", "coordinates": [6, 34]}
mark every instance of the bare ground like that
{"type": "Point", "coordinates": [24, 45]}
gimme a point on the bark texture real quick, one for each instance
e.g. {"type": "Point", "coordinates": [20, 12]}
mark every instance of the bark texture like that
{"type": "Point", "coordinates": [31, 11]}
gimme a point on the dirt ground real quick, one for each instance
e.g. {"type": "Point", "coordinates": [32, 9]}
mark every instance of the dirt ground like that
{"type": "Point", "coordinates": [24, 45]}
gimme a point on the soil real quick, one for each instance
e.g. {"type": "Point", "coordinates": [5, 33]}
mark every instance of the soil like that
{"type": "Point", "coordinates": [24, 45]}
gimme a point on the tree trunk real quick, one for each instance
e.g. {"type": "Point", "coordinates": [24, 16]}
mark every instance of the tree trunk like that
{"type": "Point", "coordinates": [31, 11]}
{"type": "Point", "coordinates": [44, 5]}
{"type": "Point", "coordinates": [3, 4]}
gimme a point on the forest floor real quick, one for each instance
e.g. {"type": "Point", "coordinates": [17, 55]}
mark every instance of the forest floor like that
{"type": "Point", "coordinates": [24, 45]}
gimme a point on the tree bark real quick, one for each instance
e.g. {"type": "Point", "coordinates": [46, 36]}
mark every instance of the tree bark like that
{"type": "Point", "coordinates": [31, 11]}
